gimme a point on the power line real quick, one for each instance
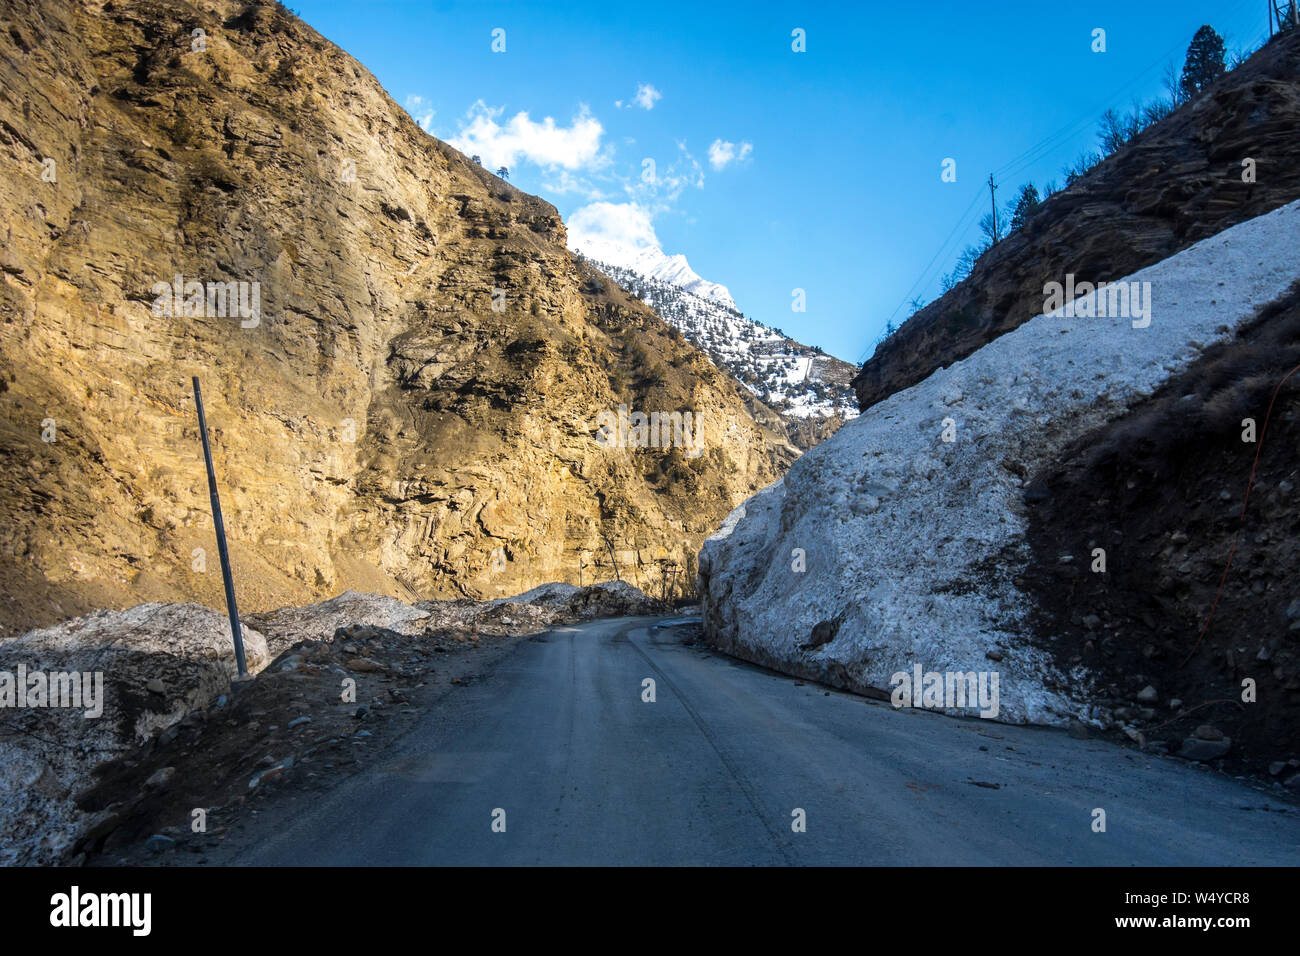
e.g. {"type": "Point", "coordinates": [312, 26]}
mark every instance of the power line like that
{"type": "Point", "coordinates": [961, 223]}
{"type": "Point", "coordinates": [1091, 117]}
{"type": "Point", "coordinates": [1031, 156]}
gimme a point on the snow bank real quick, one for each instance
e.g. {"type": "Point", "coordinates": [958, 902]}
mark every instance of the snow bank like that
{"type": "Point", "coordinates": [156, 663]}
{"type": "Point", "coordinates": [887, 546]}
{"type": "Point", "coordinates": [315, 622]}
{"type": "Point", "coordinates": [544, 606]}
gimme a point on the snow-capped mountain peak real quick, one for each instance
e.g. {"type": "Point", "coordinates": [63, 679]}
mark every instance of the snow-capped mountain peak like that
{"type": "Point", "coordinates": [654, 264]}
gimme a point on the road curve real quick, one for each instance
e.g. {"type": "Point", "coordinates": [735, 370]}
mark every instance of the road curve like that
{"type": "Point", "coordinates": [558, 737]}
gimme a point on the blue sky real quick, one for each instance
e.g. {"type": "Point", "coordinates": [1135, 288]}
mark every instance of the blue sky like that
{"type": "Point", "coordinates": [776, 170]}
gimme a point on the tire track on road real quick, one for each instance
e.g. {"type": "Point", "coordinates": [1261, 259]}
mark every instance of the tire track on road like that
{"type": "Point", "coordinates": [742, 782]}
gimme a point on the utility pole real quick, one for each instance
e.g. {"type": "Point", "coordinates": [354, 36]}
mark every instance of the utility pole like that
{"type": "Point", "coordinates": [993, 191]}
{"type": "Point", "coordinates": [226, 576]}
{"type": "Point", "coordinates": [1282, 15]}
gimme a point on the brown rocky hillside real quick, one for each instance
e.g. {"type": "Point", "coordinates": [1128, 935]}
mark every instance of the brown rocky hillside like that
{"type": "Point", "coordinates": [1178, 182]}
{"type": "Point", "coordinates": [381, 426]}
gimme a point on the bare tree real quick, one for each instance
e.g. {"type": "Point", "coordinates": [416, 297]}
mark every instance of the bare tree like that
{"type": "Point", "coordinates": [1174, 86]}
{"type": "Point", "coordinates": [991, 226]}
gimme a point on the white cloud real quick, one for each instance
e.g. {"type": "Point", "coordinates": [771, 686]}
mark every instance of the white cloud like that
{"type": "Point", "coordinates": [721, 153]}
{"type": "Point", "coordinates": [419, 109]}
{"type": "Point", "coordinates": [646, 96]}
{"type": "Point", "coordinates": [561, 181]}
{"type": "Point", "coordinates": [603, 224]}
{"type": "Point", "coordinates": [547, 144]}
{"type": "Point", "coordinates": [623, 234]}
{"type": "Point", "coordinates": [668, 182]}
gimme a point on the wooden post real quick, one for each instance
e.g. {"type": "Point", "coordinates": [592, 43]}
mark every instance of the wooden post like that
{"type": "Point", "coordinates": [993, 190]}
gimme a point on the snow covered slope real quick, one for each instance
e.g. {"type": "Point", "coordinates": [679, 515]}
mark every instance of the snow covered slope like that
{"type": "Point", "coordinates": [800, 381]}
{"type": "Point", "coordinates": [911, 544]}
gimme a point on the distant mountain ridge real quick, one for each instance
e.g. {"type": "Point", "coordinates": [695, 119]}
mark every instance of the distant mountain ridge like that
{"type": "Point", "coordinates": [800, 381]}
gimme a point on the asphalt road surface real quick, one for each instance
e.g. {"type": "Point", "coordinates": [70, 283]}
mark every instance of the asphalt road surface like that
{"type": "Point", "coordinates": [558, 737]}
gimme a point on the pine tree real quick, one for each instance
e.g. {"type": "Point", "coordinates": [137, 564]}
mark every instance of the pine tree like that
{"type": "Point", "coordinates": [1025, 205]}
{"type": "Point", "coordinates": [1205, 61]}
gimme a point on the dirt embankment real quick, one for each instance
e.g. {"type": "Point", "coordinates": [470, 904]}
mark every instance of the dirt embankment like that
{"type": "Point", "coordinates": [1163, 492]}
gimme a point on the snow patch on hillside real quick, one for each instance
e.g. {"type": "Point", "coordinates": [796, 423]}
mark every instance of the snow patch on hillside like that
{"type": "Point", "coordinates": [912, 544]}
{"type": "Point", "coordinates": [798, 380]}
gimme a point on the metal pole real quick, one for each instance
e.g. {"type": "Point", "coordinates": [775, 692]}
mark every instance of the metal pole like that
{"type": "Point", "coordinates": [229, 580]}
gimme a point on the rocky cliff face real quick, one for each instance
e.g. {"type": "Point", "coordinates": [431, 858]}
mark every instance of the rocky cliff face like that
{"type": "Point", "coordinates": [1175, 184]}
{"type": "Point", "coordinates": [408, 401]}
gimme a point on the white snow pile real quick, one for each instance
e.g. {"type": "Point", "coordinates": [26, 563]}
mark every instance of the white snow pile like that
{"type": "Point", "coordinates": [313, 622]}
{"type": "Point", "coordinates": [142, 669]}
{"type": "Point", "coordinates": [909, 544]}
{"type": "Point", "coordinates": [544, 606]}
{"type": "Point", "coordinates": [554, 592]}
